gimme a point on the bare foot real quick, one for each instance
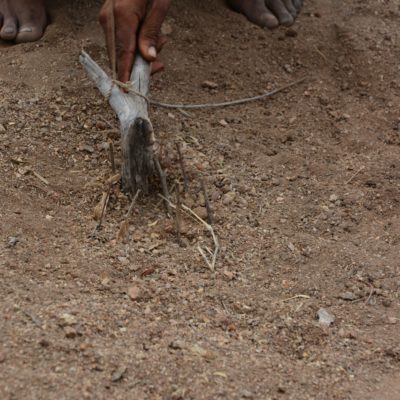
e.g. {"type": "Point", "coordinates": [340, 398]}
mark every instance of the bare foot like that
{"type": "Point", "coordinates": [22, 20]}
{"type": "Point", "coordinates": [268, 13]}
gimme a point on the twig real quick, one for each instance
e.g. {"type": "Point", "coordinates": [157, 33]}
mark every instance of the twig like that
{"type": "Point", "coordinates": [112, 159]}
{"type": "Point", "coordinates": [321, 54]}
{"type": "Point", "coordinates": [210, 264]}
{"type": "Point", "coordinates": [178, 217]}
{"type": "Point", "coordinates": [210, 217]}
{"type": "Point", "coordinates": [40, 177]}
{"type": "Point", "coordinates": [164, 186]}
{"type": "Point", "coordinates": [124, 227]}
{"type": "Point", "coordinates": [370, 295]}
{"type": "Point", "coordinates": [354, 175]}
{"type": "Point", "coordinates": [103, 210]}
{"type": "Point", "coordinates": [298, 296]}
{"type": "Point", "coordinates": [227, 103]}
{"type": "Point", "coordinates": [129, 212]}
{"type": "Point", "coordinates": [182, 164]}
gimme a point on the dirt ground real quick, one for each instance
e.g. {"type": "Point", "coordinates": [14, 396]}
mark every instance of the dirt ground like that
{"type": "Point", "coordinates": [305, 191]}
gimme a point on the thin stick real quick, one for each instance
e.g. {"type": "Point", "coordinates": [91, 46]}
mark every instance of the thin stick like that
{"type": "Point", "coordinates": [178, 217]}
{"type": "Point", "coordinates": [103, 210]}
{"type": "Point", "coordinates": [354, 175]}
{"type": "Point", "coordinates": [164, 185]}
{"type": "Point", "coordinates": [227, 103]}
{"type": "Point", "coordinates": [129, 212]}
{"type": "Point", "coordinates": [112, 159]}
{"type": "Point", "coordinates": [210, 217]}
{"type": "Point", "coordinates": [45, 181]}
{"type": "Point", "coordinates": [298, 296]}
{"type": "Point", "coordinates": [182, 164]}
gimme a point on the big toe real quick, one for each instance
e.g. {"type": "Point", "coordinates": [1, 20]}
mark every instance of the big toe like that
{"type": "Point", "coordinates": [9, 29]}
{"type": "Point", "coordinates": [29, 33]}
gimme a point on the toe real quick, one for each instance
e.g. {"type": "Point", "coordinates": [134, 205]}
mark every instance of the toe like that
{"type": "Point", "coordinates": [28, 33]}
{"type": "Point", "coordinates": [267, 20]}
{"type": "Point", "coordinates": [297, 5]}
{"type": "Point", "coordinates": [279, 9]}
{"type": "Point", "coordinates": [9, 29]}
{"type": "Point", "coordinates": [291, 8]}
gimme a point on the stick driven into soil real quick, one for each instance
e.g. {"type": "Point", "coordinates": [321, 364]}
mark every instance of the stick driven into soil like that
{"type": "Point", "coordinates": [137, 135]}
{"type": "Point", "coordinates": [182, 164]}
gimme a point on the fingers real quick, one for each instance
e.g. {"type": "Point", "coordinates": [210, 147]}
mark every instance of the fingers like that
{"type": "Point", "coordinates": [125, 19]}
{"type": "Point", "coordinates": [150, 40]}
{"type": "Point", "coordinates": [120, 25]}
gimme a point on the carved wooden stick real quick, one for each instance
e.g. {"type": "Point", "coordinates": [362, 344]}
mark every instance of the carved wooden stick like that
{"type": "Point", "coordinates": [137, 135]}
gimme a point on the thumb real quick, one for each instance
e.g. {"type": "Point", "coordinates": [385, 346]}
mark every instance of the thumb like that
{"type": "Point", "coordinates": [150, 31]}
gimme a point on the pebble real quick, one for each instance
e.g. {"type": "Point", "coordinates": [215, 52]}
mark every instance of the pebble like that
{"type": "Point", "coordinates": [333, 198]}
{"type": "Point", "coordinates": [228, 198]}
{"type": "Point", "coordinates": [134, 293]}
{"type": "Point", "coordinates": [70, 332]}
{"type": "Point", "coordinates": [2, 128]}
{"type": "Point", "coordinates": [246, 394]}
{"type": "Point", "coordinates": [67, 320]}
{"type": "Point", "coordinates": [223, 122]}
{"type": "Point", "coordinates": [12, 241]}
{"type": "Point", "coordinates": [177, 345]}
{"type": "Point", "coordinates": [325, 318]}
{"type": "Point", "coordinates": [348, 296]}
{"type": "Point", "coordinates": [209, 85]}
{"type": "Point", "coordinates": [392, 320]}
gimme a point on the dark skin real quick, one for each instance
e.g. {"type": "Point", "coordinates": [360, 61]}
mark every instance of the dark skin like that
{"type": "Point", "coordinates": [137, 24]}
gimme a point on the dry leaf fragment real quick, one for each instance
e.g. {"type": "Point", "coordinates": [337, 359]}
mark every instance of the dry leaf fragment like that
{"type": "Point", "coordinates": [98, 210]}
{"type": "Point", "coordinates": [197, 350]}
{"type": "Point", "coordinates": [123, 231]}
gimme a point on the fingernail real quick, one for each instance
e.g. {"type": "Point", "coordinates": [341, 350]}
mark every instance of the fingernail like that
{"type": "Point", "coordinates": [152, 52]}
{"type": "Point", "coordinates": [8, 29]}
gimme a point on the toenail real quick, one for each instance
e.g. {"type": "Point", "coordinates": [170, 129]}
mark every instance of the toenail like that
{"type": "Point", "coordinates": [25, 29]}
{"type": "Point", "coordinates": [8, 29]}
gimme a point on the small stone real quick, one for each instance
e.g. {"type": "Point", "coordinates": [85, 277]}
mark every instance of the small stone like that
{"type": "Point", "coordinates": [228, 198]}
{"type": "Point", "coordinates": [118, 374]}
{"type": "Point", "coordinates": [177, 345]}
{"type": "Point", "coordinates": [288, 68]}
{"type": "Point", "coordinates": [325, 318]}
{"type": "Point", "coordinates": [134, 293]}
{"type": "Point", "coordinates": [44, 342]}
{"type": "Point", "coordinates": [392, 320]}
{"type": "Point", "coordinates": [333, 198]}
{"type": "Point", "coordinates": [209, 85]}
{"type": "Point", "coordinates": [2, 128]}
{"type": "Point", "coordinates": [223, 122]}
{"type": "Point", "coordinates": [246, 394]}
{"type": "Point", "coordinates": [67, 320]}
{"type": "Point", "coordinates": [275, 181]}
{"type": "Point", "coordinates": [86, 148]}
{"type": "Point", "coordinates": [348, 296]}
{"type": "Point", "coordinates": [70, 332]}
{"type": "Point", "coordinates": [12, 241]}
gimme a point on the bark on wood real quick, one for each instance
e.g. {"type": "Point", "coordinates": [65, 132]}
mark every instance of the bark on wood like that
{"type": "Point", "coordinates": [137, 135]}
